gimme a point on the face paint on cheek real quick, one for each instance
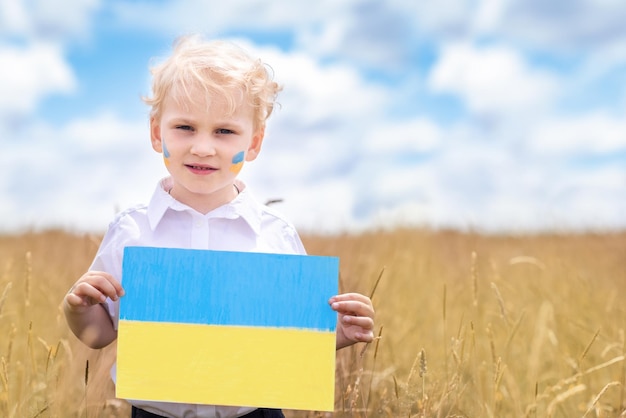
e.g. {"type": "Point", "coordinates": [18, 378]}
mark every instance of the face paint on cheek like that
{"type": "Point", "coordinates": [237, 162]}
{"type": "Point", "coordinates": [166, 154]}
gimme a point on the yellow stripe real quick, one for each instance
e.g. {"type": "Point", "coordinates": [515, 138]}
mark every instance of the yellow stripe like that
{"type": "Point", "coordinates": [236, 168]}
{"type": "Point", "coordinates": [219, 365]}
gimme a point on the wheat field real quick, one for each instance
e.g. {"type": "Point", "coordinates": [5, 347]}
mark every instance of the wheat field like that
{"type": "Point", "coordinates": [468, 325]}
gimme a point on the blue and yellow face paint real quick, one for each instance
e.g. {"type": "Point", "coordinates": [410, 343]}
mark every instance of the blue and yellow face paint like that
{"type": "Point", "coordinates": [166, 153]}
{"type": "Point", "coordinates": [237, 162]}
{"type": "Point", "coordinates": [227, 328]}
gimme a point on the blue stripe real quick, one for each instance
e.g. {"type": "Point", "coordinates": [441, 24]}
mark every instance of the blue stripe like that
{"type": "Point", "coordinates": [229, 288]}
{"type": "Point", "coordinates": [238, 157]}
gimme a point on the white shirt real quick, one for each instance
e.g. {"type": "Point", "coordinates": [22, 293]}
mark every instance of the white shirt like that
{"type": "Point", "coordinates": [241, 225]}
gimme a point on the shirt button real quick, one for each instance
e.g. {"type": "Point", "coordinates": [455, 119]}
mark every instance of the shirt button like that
{"type": "Point", "coordinates": [198, 224]}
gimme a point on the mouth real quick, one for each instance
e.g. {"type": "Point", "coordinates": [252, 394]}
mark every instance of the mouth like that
{"type": "Point", "coordinates": [200, 168]}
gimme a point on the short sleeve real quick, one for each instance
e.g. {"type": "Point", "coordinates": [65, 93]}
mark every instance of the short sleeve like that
{"type": "Point", "coordinates": [111, 253]}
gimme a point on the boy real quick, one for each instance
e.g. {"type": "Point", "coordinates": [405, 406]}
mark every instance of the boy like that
{"type": "Point", "coordinates": [209, 106]}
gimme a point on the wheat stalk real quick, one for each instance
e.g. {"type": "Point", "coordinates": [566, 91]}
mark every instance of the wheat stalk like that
{"type": "Point", "coordinates": [576, 377]}
{"type": "Point", "coordinates": [500, 302]}
{"type": "Point", "coordinates": [586, 350]}
{"type": "Point", "coordinates": [4, 296]}
{"type": "Point", "coordinates": [623, 373]}
{"type": "Point", "coordinates": [444, 331]}
{"type": "Point", "coordinates": [29, 273]}
{"type": "Point", "coordinates": [5, 375]}
{"type": "Point", "coordinates": [561, 397]}
{"type": "Point", "coordinates": [380, 276]}
{"type": "Point", "coordinates": [369, 391]}
{"type": "Point", "coordinates": [31, 350]}
{"type": "Point", "coordinates": [423, 370]}
{"type": "Point", "coordinates": [411, 386]}
{"type": "Point", "coordinates": [599, 395]}
{"type": "Point", "coordinates": [474, 275]}
{"type": "Point", "coordinates": [513, 332]}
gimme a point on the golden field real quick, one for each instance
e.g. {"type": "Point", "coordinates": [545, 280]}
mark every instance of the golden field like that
{"type": "Point", "coordinates": [470, 325]}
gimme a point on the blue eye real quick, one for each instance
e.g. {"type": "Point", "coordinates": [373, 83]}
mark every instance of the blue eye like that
{"type": "Point", "coordinates": [224, 131]}
{"type": "Point", "coordinates": [184, 127]}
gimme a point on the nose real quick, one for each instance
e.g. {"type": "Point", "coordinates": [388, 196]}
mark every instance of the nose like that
{"type": "Point", "coordinates": [203, 146]}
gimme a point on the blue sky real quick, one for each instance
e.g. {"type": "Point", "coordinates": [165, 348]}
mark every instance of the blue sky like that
{"type": "Point", "coordinates": [496, 115]}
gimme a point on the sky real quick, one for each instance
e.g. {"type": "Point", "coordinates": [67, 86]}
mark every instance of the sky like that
{"type": "Point", "coordinates": [487, 115]}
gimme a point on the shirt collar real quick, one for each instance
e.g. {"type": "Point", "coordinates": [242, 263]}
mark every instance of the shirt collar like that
{"type": "Point", "coordinates": [243, 206]}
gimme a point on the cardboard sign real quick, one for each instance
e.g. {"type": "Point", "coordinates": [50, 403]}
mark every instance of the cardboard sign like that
{"type": "Point", "coordinates": [227, 328]}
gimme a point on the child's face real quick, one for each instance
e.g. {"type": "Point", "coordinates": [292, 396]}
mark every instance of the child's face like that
{"type": "Point", "coordinates": [204, 148]}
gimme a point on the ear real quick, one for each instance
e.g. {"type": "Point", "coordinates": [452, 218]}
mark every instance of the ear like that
{"type": "Point", "coordinates": [155, 134]}
{"type": "Point", "coordinates": [255, 146]}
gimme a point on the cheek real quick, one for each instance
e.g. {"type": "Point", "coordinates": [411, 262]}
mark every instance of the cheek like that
{"type": "Point", "coordinates": [237, 162]}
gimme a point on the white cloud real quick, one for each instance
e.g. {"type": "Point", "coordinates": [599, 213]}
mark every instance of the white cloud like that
{"type": "Point", "coordinates": [325, 206]}
{"type": "Point", "coordinates": [488, 15]}
{"type": "Point", "coordinates": [492, 79]}
{"type": "Point", "coordinates": [419, 135]}
{"type": "Point", "coordinates": [323, 93]}
{"type": "Point", "coordinates": [368, 34]}
{"type": "Point", "coordinates": [214, 17]}
{"type": "Point", "coordinates": [589, 134]}
{"type": "Point", "coordinates": [558, 26]}
{"type": "Point", "coordinates": [566, 25]}
{"type": "Point", "coordinates": [29, 74]}
{"type": "Point", "coordinates": [14, 18]}
{"type": "Point", "coordinates": [46, 19]}
{"type": "Point", "coordinates": [595, 195]}
{"type": "Point", "coordinates": [446, 18]}
{"type": "Point", "coordinates": [324, 115]}
{"type": "Point", "coordinates": [374, 34]}
{"type": "Point", "coordinates": [76, 176]}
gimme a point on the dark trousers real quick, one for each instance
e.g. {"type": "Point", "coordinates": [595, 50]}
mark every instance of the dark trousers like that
{"type": "Point", "coordinates": [257, 413]}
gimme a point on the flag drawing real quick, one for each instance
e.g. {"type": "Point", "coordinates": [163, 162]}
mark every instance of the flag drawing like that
{"type": "Point", "coordinates": [227, 328]}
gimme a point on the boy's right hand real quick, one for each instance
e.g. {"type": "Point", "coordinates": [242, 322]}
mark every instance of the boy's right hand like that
{"type": "Point", "coordinates": [93, 288]}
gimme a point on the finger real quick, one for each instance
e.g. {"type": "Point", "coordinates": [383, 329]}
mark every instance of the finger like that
{"type": "Point", "coordinates": [119, 290]}
{"type": "Point", "coordinates": [367, 337]}
{"type": "Point", "coordinates": [353, 308]}
{"type": "Point", "coordinates": [105, 283]}
{"type": "Point", "coordinates": [88, 293]}
{"type": "Point", "coordinates": [116, 285]}
{"type": "Point", "coordinates": [359, 335]}
{"type": "Point", "coordinates": [94, 289]}
{"type": "Point", "coordinates": [351, 297]}
{"type": "Point", "coordinates": [75, 300]}
{"type": "Point", "coordinates": [364, 322]}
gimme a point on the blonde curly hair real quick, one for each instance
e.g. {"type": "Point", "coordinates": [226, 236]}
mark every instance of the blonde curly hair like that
{"type": "Point", "coordinates": [219, 68]}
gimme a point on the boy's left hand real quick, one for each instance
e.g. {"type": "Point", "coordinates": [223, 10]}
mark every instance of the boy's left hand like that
{"type": "Point", "coordinates": [355, 322]}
